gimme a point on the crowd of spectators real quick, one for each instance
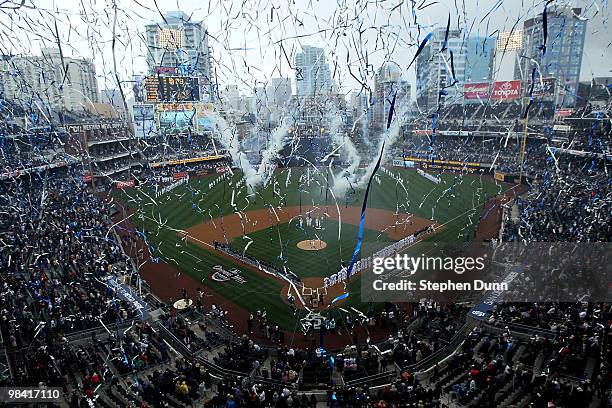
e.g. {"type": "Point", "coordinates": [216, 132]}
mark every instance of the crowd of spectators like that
{"type": "Point", "coordinates": [20, 151]}
{"type": "Point", "coordinates": [64, 325]}
{"type": "Point", "coordinates": [571, 203]}
{"type": "Point", "coordinates": [57, 252]}
{"type": "Point", "coordinates": [83, 218]}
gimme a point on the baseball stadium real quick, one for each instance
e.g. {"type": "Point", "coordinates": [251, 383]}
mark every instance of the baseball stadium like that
{"type": "Point", "coordinates": [305, 204]}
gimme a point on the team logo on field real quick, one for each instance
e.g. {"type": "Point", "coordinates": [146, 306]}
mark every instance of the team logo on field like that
{"type": "Point", "coordinates": [221, 275]}
{"type": "Point", "coordinates": [313, 319]}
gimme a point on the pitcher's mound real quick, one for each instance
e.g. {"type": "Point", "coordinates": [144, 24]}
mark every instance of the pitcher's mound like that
{"type": "Point", "coordinates": [312, 244]}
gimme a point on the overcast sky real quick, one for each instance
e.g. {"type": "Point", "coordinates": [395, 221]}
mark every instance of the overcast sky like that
{"type": "Point", "coordinates": [252, 42]}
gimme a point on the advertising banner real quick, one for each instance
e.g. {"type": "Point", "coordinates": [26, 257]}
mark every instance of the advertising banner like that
{"type": "Point", "coordinates": [90, 126]}
{"type": "Point", "coordinates": [476, 91]}
{"type": "Point", "coordinates": [562, 128]}
{"type": "Point", "coordinates": [564, 112]}
{"type": "Point", "coordinates": [436, 162]}
{"type": "Point", "coordinates": [204, 113]}
{"type": "Point", "coordinates": [204, 124]}
{"type": "Point", "coordinates": [455, 133]}
{"type": "Point", "coordinates": [180, 176]}
{"type": "Point", "coordinates": [143, 111]}
{"type": "Point", "coordinates": [544, 89]}
{"type": "Point", "coordinates": [165, 70]}
{"type": "Point", "coordinates": [138, 88]}
{"type": "Point", "coordinates": [506, 91]}
{"type": "Point", "coordinates": [205, 107]}
{"type": "Point", "coordinates": [403, 163]}
{"type": "Point", "coordinates": [124, 184]}
{"type": "Point", "coordinates": [184, 161]}
{"type": "Point", "coordinates": [171, 88]}
{"type": "Point", "coordinates": [150, 89]}
{"type": "Point", "coordinates": [128, 295]}
{"type": "Point", "coordinates": [172, 122]}
{"type": "Point", "coordinates": [175, 106]}
{"type": "Point", "coordinates": [422, 132]}
{"type": "Point", "coordinates": [515, 177]}
{"type": "Point", "coordinates": [144, 120]}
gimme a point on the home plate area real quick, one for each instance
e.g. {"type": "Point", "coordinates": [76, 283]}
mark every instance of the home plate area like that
{"type": "Point", "coordinates": [313, 292]}
{"type": "Point", "coordinates": [314, 297]}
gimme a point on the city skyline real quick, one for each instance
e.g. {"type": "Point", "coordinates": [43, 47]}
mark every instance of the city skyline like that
{"type": "Point", "coordinates": [245, 57]}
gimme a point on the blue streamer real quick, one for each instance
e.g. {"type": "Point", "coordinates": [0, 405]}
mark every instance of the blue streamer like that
{"type": "Point", "coordinates": [453, 68]}
{"type": "Point", "coordinates": [367, 192]}
{"type": "Point", "coordinates": [446, 34]}
{"type": "Point", "coordinates": [420, 48]}
{"type": "Point", "coordinates": [544, 29]}
{"type": "Point", "coordinates": [341, 297]}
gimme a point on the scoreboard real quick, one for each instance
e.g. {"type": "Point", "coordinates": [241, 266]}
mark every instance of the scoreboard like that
{"type": "Point", "coordinates": [172, 89]}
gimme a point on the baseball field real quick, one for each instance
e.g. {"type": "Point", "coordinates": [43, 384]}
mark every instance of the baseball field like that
{"type": "Point", "coordinates": [295, 224]}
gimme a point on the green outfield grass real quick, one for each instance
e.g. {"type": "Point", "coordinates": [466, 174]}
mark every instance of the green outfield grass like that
{"type": "Point", "coordinates": [456, 203]}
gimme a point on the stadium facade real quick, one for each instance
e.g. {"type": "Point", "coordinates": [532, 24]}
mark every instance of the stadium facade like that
{"type": "Point", "coordinates": [313, 76]}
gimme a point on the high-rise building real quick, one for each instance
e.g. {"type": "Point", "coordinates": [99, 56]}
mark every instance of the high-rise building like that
{"type": "Point", "coordinates": [361, 114]}
{"type": "Point", "coordinates": [247, 104]}
{"type": "Point", "coordinates": [472, 58]}
{"type": "Point", "coordinates": [279, 91]}
{"type": "Point", "coordinates": [312, 76]}
{"type": "Point", "coordinates": [561, 58]}
{"type": "Point", "coordinates": [479, 58]}
{"type": "Point", "coordinates": [179, 46]}
{"type": "Point", "coordinates": [231, 97]}
{"type": "Point", "coordinates": [388, 82]}
{"type": "Point", "coordinates": [261, 101]}
{"type": "Point", "coordinates": [360, 105]}
{"type": "Point", "coordinates": [61, 85]}
{"type": "Point", "coordinates": [507, 50]}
